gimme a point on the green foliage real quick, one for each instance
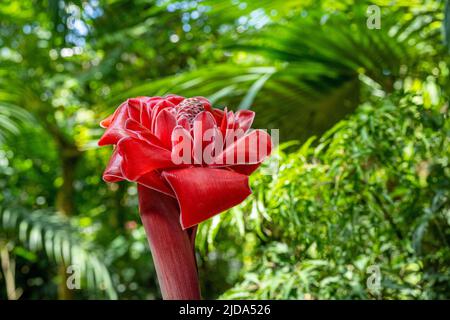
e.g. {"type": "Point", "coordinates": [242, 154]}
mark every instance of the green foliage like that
{"type": "Point", "coordinates": [45, 231]}
{"type": "Point", "coordinates": [11, 118]}
{"type": "Point", "coordinates": [374, 190]}
{"type": "Point", "coordinates": [317, 64]}
{"type": "Point", "coordinates": [371, 191]}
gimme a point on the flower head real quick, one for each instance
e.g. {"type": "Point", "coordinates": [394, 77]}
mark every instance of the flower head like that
{"type": "Point", "coordinates": [185, 148]}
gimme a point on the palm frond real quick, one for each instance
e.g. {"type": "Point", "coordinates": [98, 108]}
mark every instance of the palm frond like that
{"type": "Point", "coordinates": [44, 231]}
{"type": "Point", "coordinates": [12, 117]}
{"type": "Point", "coordinates": [308, 69]}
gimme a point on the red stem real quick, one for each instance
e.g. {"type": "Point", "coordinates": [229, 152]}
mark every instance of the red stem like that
{"type": "Point", "coordinates": [172, 247]}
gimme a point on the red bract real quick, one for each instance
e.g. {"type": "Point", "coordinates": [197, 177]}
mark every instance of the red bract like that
{"type": "Point", "coordinates": [190, 161]}
{"type": "Point", "coordinates": [187, 150]}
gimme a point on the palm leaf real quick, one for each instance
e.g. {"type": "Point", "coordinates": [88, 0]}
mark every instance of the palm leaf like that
{"type": "Point", "coordinates": [309, 76]}
{"type": "Point", "coordinates": [44, 231]}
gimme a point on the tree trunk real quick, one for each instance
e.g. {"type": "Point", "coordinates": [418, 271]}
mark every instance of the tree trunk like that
{"type": "Point", "coordinates": [65, 204]}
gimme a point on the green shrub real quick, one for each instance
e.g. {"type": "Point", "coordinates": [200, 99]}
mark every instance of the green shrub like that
{"type": "Point", "coordinates": [373, 191]}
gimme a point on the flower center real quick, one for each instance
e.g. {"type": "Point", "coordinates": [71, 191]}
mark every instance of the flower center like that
{"type": "Point", "coordinates": [189, 108]}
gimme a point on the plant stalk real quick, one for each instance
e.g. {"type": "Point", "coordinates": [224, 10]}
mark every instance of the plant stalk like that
{"type": "Point", "coordinates": [172, 247]}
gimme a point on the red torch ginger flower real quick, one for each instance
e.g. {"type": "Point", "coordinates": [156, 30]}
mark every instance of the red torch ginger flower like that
{"type": "Point", "coordinates": [190, 161]}
{"type": "Point", "coordinates": [187, 150]}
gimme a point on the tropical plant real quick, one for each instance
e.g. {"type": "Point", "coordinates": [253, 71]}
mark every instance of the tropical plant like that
{"type": "Point", "coordinates": [314, 67]}
{"type": "Point", "coordinates": [308, 232]}
{"type": "Point", "coordinates": [30, 233]}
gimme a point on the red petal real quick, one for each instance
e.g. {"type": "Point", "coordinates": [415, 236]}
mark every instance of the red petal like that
{"type": "Point", "coordinates": [246, 169]}
{"type": "Point", "coordinates": [202, 122]}
{"type": "Point", "coordinates": [252, 148]}
{"type": "Point", "coordinates": [143, 133]}
{"type": "Point", "coordinates": [155, 98]}
{"type": "Point", "coordinates": [224, 123]}
{"type": "Point", "coordinates": [146, 116]}
{"type": "Point", "coordinates": [115, 130]}
{"type": "Point", "coordinates": [181, 146]}
{"type": "Point", "coordinates": [175, 99]}
{"type": "Point", "coordinates": [184, 122]}
{"type": "Point", "coordinates": [228, 125]}
{"type": "Point", "coordinates": [204, 192]}
{"type": "Point", "coordinates": [162, 104]}
{"type": "Point", "coordinates": [140, 157]}
{"type": "Point", "coordinates": [164, 125]}
{"type": "Point", "coordinates": [112, 172]}
{"type": "Point", "coordinates": [135, 109]}
{"type": "Point", "coordinates": [244, 119]}
{"type": "Point", "coordinates": [218, 115]}
{"type": "Point", "coordinates": [150, 106]}
{"type": "Point", "coordinates": [214, 146]}
{"type": "Point", "coordinates": [144, 98]}
{"type": "Point", "coordinates": [154, 180]}
{"type": "Point", "coordinates": [105, 123]}
{"type": "Point", "coordinates": [152, 102]}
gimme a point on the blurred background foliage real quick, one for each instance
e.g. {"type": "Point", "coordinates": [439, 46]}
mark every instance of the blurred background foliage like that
{"type": "Point", "coordinates": [363, 174]}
